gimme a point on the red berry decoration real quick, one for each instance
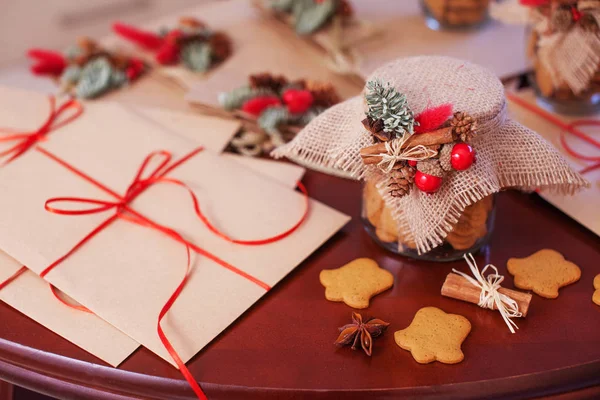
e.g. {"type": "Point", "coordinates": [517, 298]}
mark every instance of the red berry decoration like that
{"type": "Point", "coordinates": [298, 101]}
{"type": "Point", "coordinates": [462, 156]}
{"type": "Point", "coordinates": [412, 163]}
{"type": "Point", "coordinates": [427, 183]}
{"type": "Point", "coordinates": [257, 105]}
{"type": "Point", "coordinates": [134, 69]}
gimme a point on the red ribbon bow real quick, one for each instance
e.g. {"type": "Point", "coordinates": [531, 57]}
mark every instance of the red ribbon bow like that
{"type": "Point", "coordinates": [25, 140]}
{"type": "Point", "coordinates": [144, 178]}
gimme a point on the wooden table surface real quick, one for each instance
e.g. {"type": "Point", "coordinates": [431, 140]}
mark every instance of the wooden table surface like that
{"type": "Point", "coordinates": [283, 346]}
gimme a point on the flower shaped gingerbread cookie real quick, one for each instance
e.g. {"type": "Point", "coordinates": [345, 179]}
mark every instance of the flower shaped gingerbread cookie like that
{"type": "Point", "coordinates": [434, 335]}
{"type": "Point", "coordinates": [544, 272]}
{"type": "Point", "coordinates": [596, 296]}
{"type": "Point", "coordinates": [356, 282]}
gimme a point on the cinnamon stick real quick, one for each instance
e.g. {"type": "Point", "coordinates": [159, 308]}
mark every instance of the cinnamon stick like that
{"type": "Point", "coordinates": [370, 155]}
{"type": "Point", "coordinates": [458, 287]}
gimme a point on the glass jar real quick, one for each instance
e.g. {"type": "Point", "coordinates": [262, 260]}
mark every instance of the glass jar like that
{"type": "Point", "coordinates": [560, 99]}
{"type": "Point", "coordinates": [470, 233]}
{"type": "Point", "coordinates": [455, 14]}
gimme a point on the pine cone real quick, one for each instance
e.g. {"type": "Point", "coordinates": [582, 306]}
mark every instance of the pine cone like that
{"type": "Point", "coordinates": [87, 45]}
{"type": "Point", "coordinates": [401, 180]}
{"type": "Point", "coordinates": [221, 46]}
{"type": "Point", "coordinates": [191, 22]}
{"type": "Point", "coordinates": [562, 20]}
{"type": "Point", "coordinates": [268, 81]}
{"type": "Point", "coordinates": [344, 9]}
{"type": "Point", "coordinates": [375, 126]}
{"type": "Point", "coordinates": [463, 126]}
{"type": "Point", "coordinates": [324, 93]}
{"type": "Point", "coordinates": [431, 166]}
{"type": "Point", "coordinates": [445, 155]}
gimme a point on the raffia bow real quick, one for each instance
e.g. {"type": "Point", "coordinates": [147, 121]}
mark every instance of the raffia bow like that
{"type": "Point", "coordinates": [394, 152]}
{"type": "Point", "coordinates": [490, 297]}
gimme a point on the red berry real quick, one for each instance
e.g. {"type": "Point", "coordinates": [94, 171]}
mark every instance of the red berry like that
{"type": "Point", "coordinates": [134, 69]}
{"type": "Point", "coordinates": [462, 156]}
{"type": "Point", "coordinates": [298, 101]}
{"type": "Point", "coordinates": [168, 54]}
{"type": "Point", "coordinates": [257, 105]}
{"type": "Point", "coordinates": [412, 163]}
{"type": "Point", "coordinates": [427, 183]}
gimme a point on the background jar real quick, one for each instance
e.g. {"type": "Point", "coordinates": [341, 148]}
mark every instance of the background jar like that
{"type": "Point", "coordinates": [455, 14]}
{"type": "Point", "coordinates": [470, 233]}
{"type": "Point", "coordinates": [560, 99]}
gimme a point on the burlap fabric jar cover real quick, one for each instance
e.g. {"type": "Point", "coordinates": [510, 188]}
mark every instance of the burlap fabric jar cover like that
{"type": "Point", "coordinates": [508, 155]}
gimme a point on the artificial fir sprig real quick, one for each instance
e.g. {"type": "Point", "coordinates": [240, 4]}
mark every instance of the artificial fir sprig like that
{"type": "Point", "coordinates": [385, 103]}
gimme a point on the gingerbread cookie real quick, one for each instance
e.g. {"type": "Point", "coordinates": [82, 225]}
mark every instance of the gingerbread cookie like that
{"type": "Point", "coordinates": [434, 335]}
{"type": "Point", "coordinates": [596, 296]}
{"type": "Point", "coordinates": [356, 282]}
{"type": "Point", "coordinates": [544, 272]}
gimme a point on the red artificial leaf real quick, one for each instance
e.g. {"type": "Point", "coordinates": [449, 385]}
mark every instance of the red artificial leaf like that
{"type": "Point", "coordinates": [46, 55]}
{"type": "Point", "coordinates": [168, 54]}
{"type": "Point", "coordinates": [534, 3]}
{"type": "Point", "coordinates": [433, 118]}
{"type": "Point", "coordinates": [147, 40]}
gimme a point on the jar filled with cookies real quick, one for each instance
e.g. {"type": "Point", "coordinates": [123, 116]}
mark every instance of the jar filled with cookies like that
{"type": "Point", "coordinates": [432, 141]}
{"type": "Point", "coordinates": [468, 235]}
{"type": "Point", "coordinates": [455, 14]}
{"type": "Point", "coordinates": [564, 48]}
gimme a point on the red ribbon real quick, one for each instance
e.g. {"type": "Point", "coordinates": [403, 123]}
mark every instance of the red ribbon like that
{"type": "Point", "coordinates": [144, 178]}
{"type": "Point", "coordinates": [25, 140]}
{"type": "Point", "coordinates": [567, 128]}
{"type": "Point", "coordinates": [14, 276]}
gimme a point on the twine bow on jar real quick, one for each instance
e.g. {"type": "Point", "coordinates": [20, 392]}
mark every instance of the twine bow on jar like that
{"type": "Point", "coordinates": [394, 152]}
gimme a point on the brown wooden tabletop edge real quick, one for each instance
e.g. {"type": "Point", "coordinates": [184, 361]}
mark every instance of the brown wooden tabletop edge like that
{"type": "Point", "coordinates": [45, 371]}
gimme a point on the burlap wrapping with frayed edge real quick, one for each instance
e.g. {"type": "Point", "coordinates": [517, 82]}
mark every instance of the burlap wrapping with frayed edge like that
{"type": "Point", "coordinates": [508, 154]}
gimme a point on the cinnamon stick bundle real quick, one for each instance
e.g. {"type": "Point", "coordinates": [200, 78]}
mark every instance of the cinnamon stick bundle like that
{"type": "Point", "coordinates": [458, 287]}
{"type": "Point", "coordinates": [371, 154]}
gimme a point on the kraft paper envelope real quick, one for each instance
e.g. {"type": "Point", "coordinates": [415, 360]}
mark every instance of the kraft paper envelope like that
{"type": "Point", "coordinates": [403, 33]}
{"type": "Point", "coordinates": [126, 273]}
{"type": "Point", "coordinates": [583, 206]}
{"type": "Point", "coordinates": [218, 132]}
{"type": "Point", "coordinates": [31, 295]}
{"type": "Point", "coordinates": [258, 46]}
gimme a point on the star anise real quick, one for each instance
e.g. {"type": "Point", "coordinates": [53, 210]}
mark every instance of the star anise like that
{"type": "Point", "coordinates": [363, 332]}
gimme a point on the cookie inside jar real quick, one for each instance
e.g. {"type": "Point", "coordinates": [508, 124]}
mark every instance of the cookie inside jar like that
{"type": "Point", "coordinates": [469, 234]}
{"type": "Point", "coordinates": [455, 14]}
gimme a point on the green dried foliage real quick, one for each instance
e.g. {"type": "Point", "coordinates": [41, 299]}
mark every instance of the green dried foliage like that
{"type": "Point", "coordinates": [387, 104]}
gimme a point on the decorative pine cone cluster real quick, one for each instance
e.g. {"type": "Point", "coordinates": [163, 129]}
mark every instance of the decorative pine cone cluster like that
{"type": "Point", "coordinates": [324, 93]}
{"type": "Point", "coordinates": [463, 127]}
{"type": "Point", "coordinates": [221, 46]}
{"type": "Point", "coordinates": [402, 178]}
{"type": "Point", "coordinates": [426, 159]}
{"type": "Point", "coordinates": [266, 80]}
